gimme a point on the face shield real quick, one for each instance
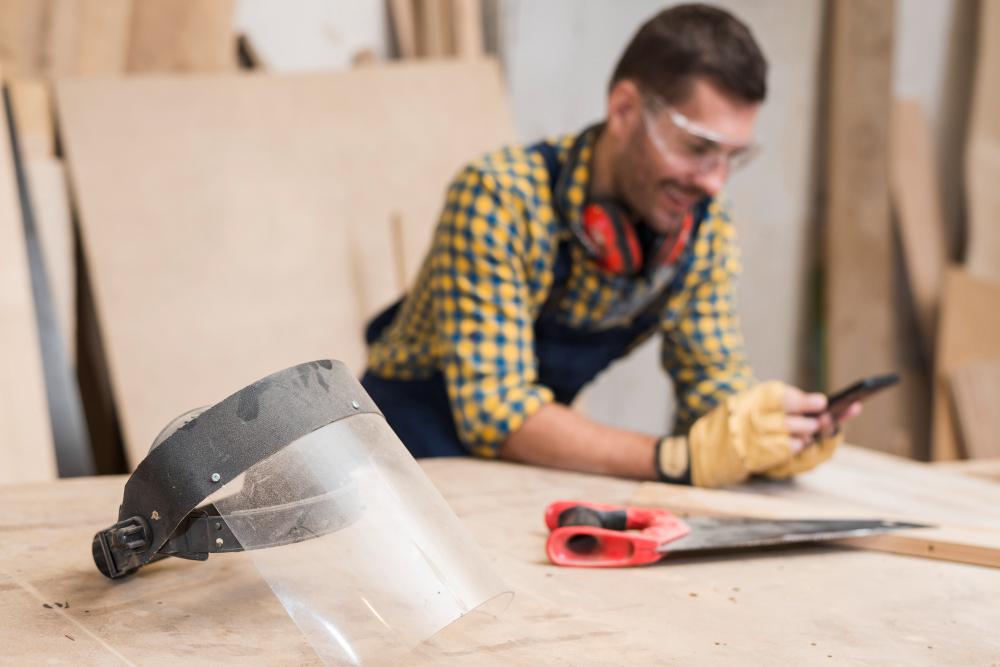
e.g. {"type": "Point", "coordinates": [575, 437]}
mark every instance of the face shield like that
{"type": "Point", "coordinates": [301, 470]}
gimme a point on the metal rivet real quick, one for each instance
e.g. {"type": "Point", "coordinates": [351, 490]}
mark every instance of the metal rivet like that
{"type": "Point", "coordinates": [355, 405]}
{"type": "Point", "coordinates": [218, 525]}
{"type": "Point", "coordinates": [216, 477]}
{"type": "Point", "coordinates": [218, 542]}
{"type": "Point", "coordinates": [155, 516]}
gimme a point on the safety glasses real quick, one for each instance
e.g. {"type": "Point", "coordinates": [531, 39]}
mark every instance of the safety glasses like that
{"type": "Point", "coordinates": [692, 147]}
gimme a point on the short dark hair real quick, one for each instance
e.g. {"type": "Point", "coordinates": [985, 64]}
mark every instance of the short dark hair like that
{"type": "Point", "coordinates": [685, 42]}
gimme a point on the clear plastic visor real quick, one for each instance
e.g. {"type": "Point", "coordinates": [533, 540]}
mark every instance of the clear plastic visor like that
{"type": "Point", "coordinates": [363, 552]}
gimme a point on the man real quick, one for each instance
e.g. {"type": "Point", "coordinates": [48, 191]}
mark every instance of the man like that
{"type": "Point", "coordinates": [552, 260]}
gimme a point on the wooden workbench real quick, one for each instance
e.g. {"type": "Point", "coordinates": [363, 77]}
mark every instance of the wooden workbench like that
{"type": "Point", "coordinates": [811, 606]}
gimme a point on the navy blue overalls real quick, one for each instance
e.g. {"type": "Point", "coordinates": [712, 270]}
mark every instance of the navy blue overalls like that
{"type": "Point", "coordinates": [419, 410]}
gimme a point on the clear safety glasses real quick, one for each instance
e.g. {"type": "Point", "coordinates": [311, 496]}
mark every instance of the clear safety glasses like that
{"type": "Point", "coordinates": [690, 146]}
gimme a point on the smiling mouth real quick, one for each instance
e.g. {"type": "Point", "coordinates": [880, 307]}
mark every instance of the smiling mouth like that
{"type": "Point", "coordinates": [679, 198]}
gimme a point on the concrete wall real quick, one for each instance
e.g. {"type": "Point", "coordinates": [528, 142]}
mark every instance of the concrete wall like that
{"type": "Point", "coordinates": [558, 56]}
{"type": "Point", "coordinates": [304, 35]}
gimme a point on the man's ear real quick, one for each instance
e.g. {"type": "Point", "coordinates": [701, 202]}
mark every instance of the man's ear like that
{"type": "Point", "coordinates": [624, 108]}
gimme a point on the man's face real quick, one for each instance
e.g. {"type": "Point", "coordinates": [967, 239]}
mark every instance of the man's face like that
{"type": "Point", "coordinates": [674, 156]}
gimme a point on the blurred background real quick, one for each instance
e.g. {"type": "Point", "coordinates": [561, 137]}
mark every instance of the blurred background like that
{"type": "Point", "coordinates": [196, 193]}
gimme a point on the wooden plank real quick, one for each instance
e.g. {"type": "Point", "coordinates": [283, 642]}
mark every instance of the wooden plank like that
{"type": "Point", "coordinates": [53, 219]}
{"type": "Point", "coordinates": [182, 36]}
{"type": "Point", "coordinates": [22, 25]}
{"type": "Point", "coordinates": [982, 151]}
{"type": "Point", "coordinates": [978, 468]}
{"type": "Point", "coordinates": [860, 484]}
{"type": "Point", "coordinates": [103, 35]}
{"type": "Point", "coordinates": [975, 393]}
{"type": "Point", "coordinates": [26, 448]}
{"type": "Point", "coordinates": [860, 316]}
{"type": "Point", "coordinates": [435, 34]}
{"type": "Point", "coordinates": [86, 37]}
{"type": "Point", "coordinates": [467, 23]}
{"type": "Point", "coordinates": [961, 545]}
{"type": "Point", "coordinates": [970, 314]}
{"type": "Point", "coordinates": [404, 26]}
{"type": "Point", "coordinates": [32, 105]}
{"type": "Point", "coordinates": [263, 242]}
{"type": "Point", "coordinates": [558, 616]}
{"type": "Point", "coordinates": [917, 203]}
{"type": "Point", "coordinates": [51, 38]}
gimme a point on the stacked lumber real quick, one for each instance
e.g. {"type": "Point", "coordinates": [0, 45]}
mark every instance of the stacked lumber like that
{"type": "Point", "coordinates": [59, 38]}
{"type": "Point", "coordinates": [967, 388]}
{"type": "Point", "coordinates": [954, 304]}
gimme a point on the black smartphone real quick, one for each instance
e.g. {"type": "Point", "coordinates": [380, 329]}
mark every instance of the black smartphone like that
{"type": "Point", "coordinates": [838, 402]}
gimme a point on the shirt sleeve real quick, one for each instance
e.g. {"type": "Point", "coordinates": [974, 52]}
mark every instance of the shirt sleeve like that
{"type": "Point", "coordinates": [703, 348]}
{"type": "Point", "coordinates": [482, 313]}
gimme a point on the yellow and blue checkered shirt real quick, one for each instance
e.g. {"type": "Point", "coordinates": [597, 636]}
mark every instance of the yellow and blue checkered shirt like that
{"type": "Point", "coordinates": [489, 272]}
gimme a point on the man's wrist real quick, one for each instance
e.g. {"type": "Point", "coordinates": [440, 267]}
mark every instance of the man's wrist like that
{"type": "Point", "coordinates": [672, 460]}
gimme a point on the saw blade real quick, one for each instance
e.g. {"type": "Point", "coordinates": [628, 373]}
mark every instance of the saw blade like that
{"type": "Point", "coordinates": [725, 534]}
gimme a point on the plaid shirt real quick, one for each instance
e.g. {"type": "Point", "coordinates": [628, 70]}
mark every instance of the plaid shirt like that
{"type": "Point", "coordinates": [489, 272]}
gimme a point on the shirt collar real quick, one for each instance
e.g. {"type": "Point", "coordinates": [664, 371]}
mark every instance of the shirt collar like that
{"type": "Point", "coordinates": [575, 169]}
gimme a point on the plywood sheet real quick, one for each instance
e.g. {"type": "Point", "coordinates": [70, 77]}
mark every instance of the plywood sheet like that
{"type": "Point", "coordinates": [236, 225]}
{"type": "Point", "coordinates": [970, 318]}
{"type": "Point", "coordinates": [975, 394]}
{"type": "Point", "coordinates": [982, 153]}
{"type": "Point", "coordinates": [917, 203]}
{"type": "Point", "coordinates": [26, 446]}
{"type": "Point", "coordinates": [860, 259]}
{"type": "Point", "coordinates": [182, 36]}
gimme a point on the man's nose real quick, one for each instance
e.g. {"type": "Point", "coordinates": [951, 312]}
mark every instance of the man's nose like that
{"type": "Point", "coordinates": [711, 181]}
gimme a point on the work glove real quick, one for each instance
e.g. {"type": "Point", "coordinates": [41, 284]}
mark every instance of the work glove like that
{"type": "Point", "coordinates": [747, 434]}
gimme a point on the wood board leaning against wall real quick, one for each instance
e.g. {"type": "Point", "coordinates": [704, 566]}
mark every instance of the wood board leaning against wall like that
{"type": "Point", "coordinates": [982, 156]}
{"type": "Point", "coordinates": [862, 328]}
{"type": "Point", "coordinates": [235, 225]}
{"type": "Point", "coordinates": [26, 444]}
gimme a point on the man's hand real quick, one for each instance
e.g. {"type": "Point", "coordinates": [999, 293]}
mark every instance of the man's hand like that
{"type": "Point", "coordinates": [807, 420]}
{"type": "Point", "coordinates": [767, 430]}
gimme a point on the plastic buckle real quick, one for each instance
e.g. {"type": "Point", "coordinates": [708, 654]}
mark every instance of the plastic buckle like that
{"type": "Point", "coordinates": [118, 550]}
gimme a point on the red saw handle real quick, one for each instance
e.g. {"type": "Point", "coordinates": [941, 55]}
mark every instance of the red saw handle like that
{"type": "Point", "coordinates": [597, 535]}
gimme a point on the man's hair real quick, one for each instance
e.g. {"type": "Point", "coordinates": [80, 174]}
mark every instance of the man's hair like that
{"type": "Point", "coordinates": [686, 42]}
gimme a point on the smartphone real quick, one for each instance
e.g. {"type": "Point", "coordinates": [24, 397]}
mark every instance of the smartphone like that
{"type": "Point", "coordinates": [838, 402]}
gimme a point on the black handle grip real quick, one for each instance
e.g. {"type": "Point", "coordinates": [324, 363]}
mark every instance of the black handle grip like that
{"type": "Point", "coordinates": [581, 515]}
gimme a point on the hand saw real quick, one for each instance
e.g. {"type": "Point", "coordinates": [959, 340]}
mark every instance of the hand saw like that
{"type": "Point", "coordinates": [596, 535]}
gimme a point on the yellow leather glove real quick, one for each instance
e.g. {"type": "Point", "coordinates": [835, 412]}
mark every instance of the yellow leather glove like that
{"type": "Point", "coordinates": [807, 459]}
{"type": "Point", "coordinates": [746, 434]}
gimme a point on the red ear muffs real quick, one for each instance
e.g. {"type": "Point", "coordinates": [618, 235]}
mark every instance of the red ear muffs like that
{"type": "Point", "coordinates": [613, 237]}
